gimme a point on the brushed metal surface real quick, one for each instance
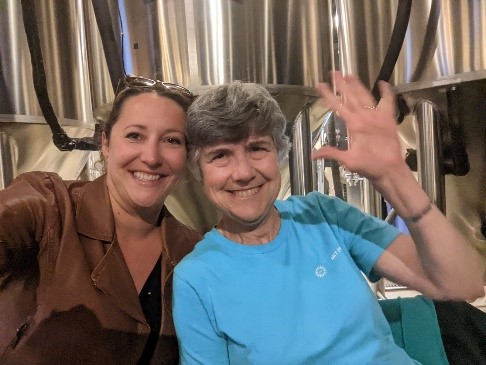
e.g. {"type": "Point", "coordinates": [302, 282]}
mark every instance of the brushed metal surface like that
{"type": "Point", "coordinates": [286, 45]}
{"type": "Point", "coordinates": [8, 159]}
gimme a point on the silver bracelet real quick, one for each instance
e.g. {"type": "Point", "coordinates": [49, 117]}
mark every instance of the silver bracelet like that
{"type": "Point", "coordinates": [419, 216]}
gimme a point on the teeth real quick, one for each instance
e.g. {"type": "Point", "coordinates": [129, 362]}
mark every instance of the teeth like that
{"type": "Point", "coordinates": [145, 177]}
{"type": "Point", "coordinates": [246, 193]}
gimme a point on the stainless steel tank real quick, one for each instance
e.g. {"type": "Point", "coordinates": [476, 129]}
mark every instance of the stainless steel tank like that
{"type": "Point", "coordinates": [198, 43]}
{"type": "Point", "coordinates": [440, 79]}
{"type": "Point", "coordinates": [286, 45]}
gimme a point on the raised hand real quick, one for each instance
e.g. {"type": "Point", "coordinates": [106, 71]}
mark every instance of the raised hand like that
{"type": "Point", "coordinates": [373, 146]}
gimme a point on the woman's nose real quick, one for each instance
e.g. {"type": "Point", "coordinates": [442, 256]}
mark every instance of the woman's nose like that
{"type": "Point", "coordinates": [152, 154]}
{"type": "Point", "coordinates": [243, 168]}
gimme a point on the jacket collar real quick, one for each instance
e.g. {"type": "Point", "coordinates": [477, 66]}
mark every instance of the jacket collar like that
{"type": "Point", "coordinates": [95, 219]}
{"type": "Point", "coordinates": [94, 214]}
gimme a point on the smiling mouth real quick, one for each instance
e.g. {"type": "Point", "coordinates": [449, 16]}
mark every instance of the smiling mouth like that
{"type": "Point", "coordinates": [146, 177]}
{"type": "Point", "coordinates": [246, 193]}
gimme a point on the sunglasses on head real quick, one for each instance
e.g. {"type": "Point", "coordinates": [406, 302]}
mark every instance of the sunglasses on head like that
{"type": "Point", "coordinates": [137, 82]}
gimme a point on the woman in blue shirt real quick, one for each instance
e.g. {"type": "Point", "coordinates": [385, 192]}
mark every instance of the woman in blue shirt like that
{"type": "Point", "coordinates": [281, 282]}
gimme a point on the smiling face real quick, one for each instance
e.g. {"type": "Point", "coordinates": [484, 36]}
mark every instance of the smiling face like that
{"type": "Point", "coordinates": [242, 180]}
{"type": "Point", "coordinates": [146, 152]}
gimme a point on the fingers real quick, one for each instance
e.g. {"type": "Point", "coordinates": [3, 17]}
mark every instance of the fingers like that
{"type": "Point", "coordinates": [351, 97]}
{"type": "Point", "coordinates": [356, 95]}
{"type": "Point", "coordinates": [387, 101]}
{"type": "Point", "coordinates": [333, 101]}
{"type": "Point", "coordinates": [328, 152]}
{"type": "Point", "coordinates": [350, 92]}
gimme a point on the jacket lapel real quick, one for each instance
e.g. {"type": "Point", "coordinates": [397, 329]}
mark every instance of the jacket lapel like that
{"type": "Point", "coordinates": [110, 274]}
{"type": "Point", "coordinates": [177, 241]}
{"type": "Point", "coordinates": [113, 278]}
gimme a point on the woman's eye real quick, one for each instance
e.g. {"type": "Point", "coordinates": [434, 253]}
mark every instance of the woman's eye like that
{"type": "Point", "coordinates": [219, 156]}
{"type": "Point", "coordinates": [133, 135]}
{"type": "Point", "coordinates": [258, 152]}
{"type": "Point", "coordinates": [220, 159]}
{"type": "Point", "coordinates": [176, 141]}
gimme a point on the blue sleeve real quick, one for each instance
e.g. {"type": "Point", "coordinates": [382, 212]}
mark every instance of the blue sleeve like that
{"type": "Point", "coordinates": [366, 237]}
{"type": "Point", "coordinates": [199, 342]}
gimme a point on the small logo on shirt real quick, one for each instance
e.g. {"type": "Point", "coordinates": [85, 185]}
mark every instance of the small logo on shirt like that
{"type": "Point", "coordinates": [336, 252]}
{"type": "Point", "coordinates": [320, 271]}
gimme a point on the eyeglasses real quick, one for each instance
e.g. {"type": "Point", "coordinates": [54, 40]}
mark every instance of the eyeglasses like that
{"type": "Point", "coordinates": [137, 82]}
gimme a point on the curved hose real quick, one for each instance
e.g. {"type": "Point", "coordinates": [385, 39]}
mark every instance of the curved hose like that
{"type": "Point", "coordinates": [402, 20]}
{"type": "Point", "coordinates": [430, 40]}
{"type": "Point", "coordinates": [398, 35]}
{"type": "Point", "coordinates": [113, 54]}
{"type": "Point", "coordinates": [61, 140]}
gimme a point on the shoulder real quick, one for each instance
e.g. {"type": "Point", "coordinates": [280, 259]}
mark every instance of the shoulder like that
{"type": "Point", "coordinates": [312, 199]}
{"type": "Point", "coordinates": [43, 180]}
{"type": "Point", "coordinates": [206, 254]}
{"type": "Point", "coordinates": [175, 227]}
{"type": "Point", "coordinates": [35, 185]}
{"type": "Point", "coordinates": [312, 207]}
{"type": "Point", "coordinates": [180, 239]}
{"type": "Point", "coordinates": [37, 178]}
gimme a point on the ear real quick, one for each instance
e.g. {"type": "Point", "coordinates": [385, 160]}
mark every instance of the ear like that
{"type": "Point", "coordinates": [105, 148]}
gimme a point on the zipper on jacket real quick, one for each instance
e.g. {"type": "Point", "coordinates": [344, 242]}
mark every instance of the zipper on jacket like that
{"type": "Point", "coordinates": [16, 339]}
{"type": "Point", "coordinates": [18, 335]}
{"type": "Point", "coordinates": [97, 287]}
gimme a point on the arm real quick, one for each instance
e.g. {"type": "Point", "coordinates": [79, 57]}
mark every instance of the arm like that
{"type": "Point", "coordinates": [435, 259]}
{"type": "Point", "coordinates": [22, 211]}
{"type": "Point", "coordinates": [199, 343]}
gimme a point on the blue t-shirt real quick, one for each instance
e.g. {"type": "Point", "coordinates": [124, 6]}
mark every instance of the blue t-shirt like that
{"type": "Point", "coordinates": [299, 299]}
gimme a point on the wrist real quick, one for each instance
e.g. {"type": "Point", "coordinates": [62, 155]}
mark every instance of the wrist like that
{"type": "Point", "coordinates": [417, 217]}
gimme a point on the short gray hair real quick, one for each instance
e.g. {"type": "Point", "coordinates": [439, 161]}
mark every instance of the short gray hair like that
{"type": "Point", "coordinates": [230, 113]}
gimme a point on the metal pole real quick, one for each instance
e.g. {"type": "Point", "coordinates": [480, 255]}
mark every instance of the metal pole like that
{"type": "Point", "coordinates": [300, 164]}
{"type": "Point", "coordinates": [7, 162]}
{"type": "Point", "coordinates": [430, 174]}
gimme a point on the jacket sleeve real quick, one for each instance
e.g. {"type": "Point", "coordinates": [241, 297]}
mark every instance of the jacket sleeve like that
{"type": "Point", "coordinates": [199, 343]}
{"type": "Point", "coordinates": [23, 208]}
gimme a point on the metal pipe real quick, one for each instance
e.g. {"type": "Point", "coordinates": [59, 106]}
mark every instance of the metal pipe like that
{"type": "Point", "coordinates": [7, 160]}
{"type": "Point", "coordinates": [430, 174]}
{"type": "Point", "coordinates": [300, 164]}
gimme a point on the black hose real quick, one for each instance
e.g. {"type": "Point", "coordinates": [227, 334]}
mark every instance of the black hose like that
{"type": "Point", "coordinates": [430, 40]}
{"type": "Point", "coordinates": [402, 20]}
{"type": "Point", "coordinates": [398, 35]}
{"type": "Point", "coordinates": [61, 140]}
{"type": "Point", "coordinates": [113, 54]}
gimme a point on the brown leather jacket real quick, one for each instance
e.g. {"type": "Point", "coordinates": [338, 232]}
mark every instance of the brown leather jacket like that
{"type": "Point", "coordinates": [66, 295]}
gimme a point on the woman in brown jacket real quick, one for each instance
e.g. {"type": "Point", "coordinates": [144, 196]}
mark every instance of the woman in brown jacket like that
{"type": "Point", "coordinates": [86, 267]}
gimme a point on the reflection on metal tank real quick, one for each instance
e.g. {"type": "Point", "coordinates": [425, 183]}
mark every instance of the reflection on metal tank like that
{"type": "Point", "coordinates": [198, 43]}
{"type": "Point", "coordinates": [210, 42]}
{"type": "Point", "coordinates": [443, 38]}
{"type": "Point", "coordinates": [8, 159]}
{"type": "Point", "coordinates": [286, 45]}
{"type": "Point", "coordinates": [62, 29]}
{"type": "Point", "coordinates": [439, 77]}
